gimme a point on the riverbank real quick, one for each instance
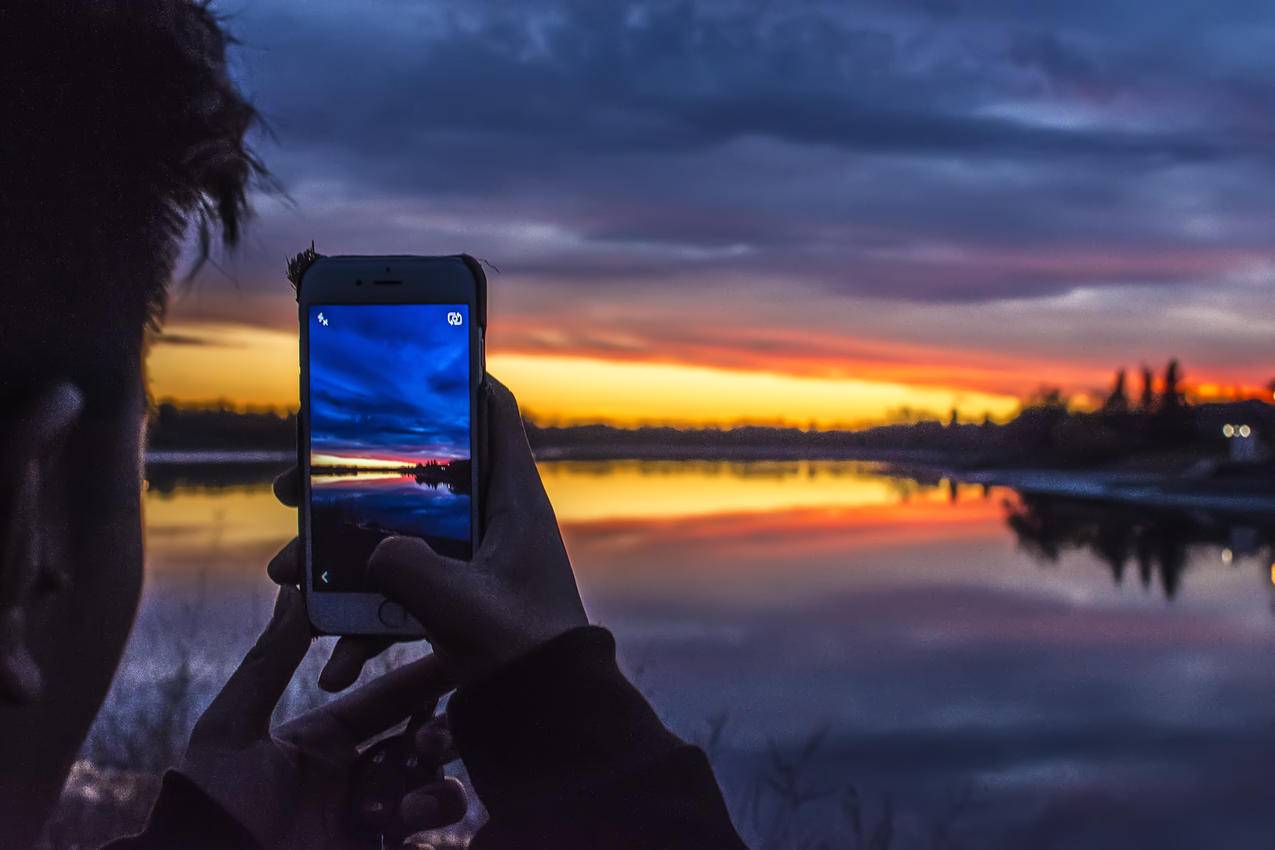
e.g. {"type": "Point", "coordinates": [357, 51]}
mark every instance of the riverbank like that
{"type": "Point", "coordinates": [1238, 494]}
{"type": "Point", "coordinates": [1187, 485]}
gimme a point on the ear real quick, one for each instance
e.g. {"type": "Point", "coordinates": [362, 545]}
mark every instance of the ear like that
{"type": "Point", "coordinates": [32, 435]}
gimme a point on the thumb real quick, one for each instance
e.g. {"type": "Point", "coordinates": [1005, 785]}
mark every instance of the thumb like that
{"type": "Point", "coordinates": [430, 586]}
{"type": "Point", "coordinates": [241, 712]}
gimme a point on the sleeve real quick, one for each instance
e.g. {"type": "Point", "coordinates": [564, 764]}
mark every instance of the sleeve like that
{"type": "Point", "coordinates": [183, 816]}
{"type": "Point", "coordinates": [565, 753]}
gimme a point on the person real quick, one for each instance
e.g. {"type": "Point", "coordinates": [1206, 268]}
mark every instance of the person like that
{"type": "Point", "coordinates": [122, 128]}
{"type": "Point", "coordinates": [561, 749]}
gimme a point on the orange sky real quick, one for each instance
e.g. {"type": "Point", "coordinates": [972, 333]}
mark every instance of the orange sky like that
{"type": "Point", "coordinates": [257, 366]}
{"type": "Point", "coordinates": [778, 376]}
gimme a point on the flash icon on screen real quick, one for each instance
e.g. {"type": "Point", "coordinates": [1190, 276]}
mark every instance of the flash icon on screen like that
{"type": "Point", "coordinates": [323, 320]}
{"type": "Point", "coordinates": [454, 318]}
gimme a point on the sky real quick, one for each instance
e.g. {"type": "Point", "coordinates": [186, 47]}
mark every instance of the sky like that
{"type": "Point", "coordinates": [800, 212]}
{"type": "Point", "coordinates": [388, 384]}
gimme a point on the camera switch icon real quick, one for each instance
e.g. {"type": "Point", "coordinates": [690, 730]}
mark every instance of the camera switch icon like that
{"type": "Point", "coordinates": [455, 318]}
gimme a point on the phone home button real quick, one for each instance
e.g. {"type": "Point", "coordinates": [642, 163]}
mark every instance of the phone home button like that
{"type": "Point", "coordinates": [392, 615]}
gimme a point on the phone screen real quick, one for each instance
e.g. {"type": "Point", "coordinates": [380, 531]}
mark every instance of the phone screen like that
{"type": "Point", "coordinates": [389, 436]}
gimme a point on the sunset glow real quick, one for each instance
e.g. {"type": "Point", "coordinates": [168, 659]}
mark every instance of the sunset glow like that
{"type": "Point", "coordinates": [320, 459]}
{"type": "Point", "coordinates": [246, 366]}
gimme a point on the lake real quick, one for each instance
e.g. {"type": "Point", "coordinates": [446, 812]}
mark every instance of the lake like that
{"type": "Point", "coordinates": [352, 513]}
{"type": "Point", "coordinates": [955, 665]}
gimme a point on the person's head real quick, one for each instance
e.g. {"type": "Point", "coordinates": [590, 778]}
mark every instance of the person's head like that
{"type": "Point", "coordinates": [122, 130]}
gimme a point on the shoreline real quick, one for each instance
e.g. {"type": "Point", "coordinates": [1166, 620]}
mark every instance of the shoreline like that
{"type": "Point", "coordinates": [1254, 495]}
{"type": "Point", "coordinates": [1147, 490]}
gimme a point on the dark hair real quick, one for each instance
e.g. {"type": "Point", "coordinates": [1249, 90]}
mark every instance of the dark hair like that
{"type": "Point", "coordinates": [122, 126]}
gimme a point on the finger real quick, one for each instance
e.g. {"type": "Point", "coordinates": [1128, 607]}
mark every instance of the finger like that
{"type": "Point", "coordinates": [241, 712]}
{"type": "Point", "coordinates": [285, 567]}
{"type": "Point", "coordinates": [287, 487]}
{"type": "Point", "coordinates": [513, 469]}
{"type": "Point", "coordinates": [385, 701]}
{"type": "Point", "coordinates": [433, 588]}
{"type": "Point", "coordinates": [436, 804]}
{"type": "Point", "coordinates": [347, 660]}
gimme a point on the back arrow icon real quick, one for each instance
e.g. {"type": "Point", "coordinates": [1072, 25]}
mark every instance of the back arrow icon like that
{"type": "Point", "coordinates": [324, 576]}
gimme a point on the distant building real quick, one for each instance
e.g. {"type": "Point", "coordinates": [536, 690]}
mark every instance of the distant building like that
{"type": "Point", "coordinates": [1247, 427]}
{"type": "Point", "coordinates": [1245, 443]}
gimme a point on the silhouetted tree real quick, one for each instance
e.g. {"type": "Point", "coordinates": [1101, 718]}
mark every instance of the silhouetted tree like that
{"type": "Point", "coordinates": [1147, 403]}
{"type": "Point", "coordinates": [1048, 397]}
{"type": "Point", "coordinates": [1118, 400]}
{"type": "Point", "coordinates": [1158, 543]}
{"type": "Point", "coordinates": [1171, 398]}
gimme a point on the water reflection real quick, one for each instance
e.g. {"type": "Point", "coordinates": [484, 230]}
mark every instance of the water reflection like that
{"type": "Point", "coordinates": [1158, 544]}
{"type": "Point", "coordinates": [908, 615]}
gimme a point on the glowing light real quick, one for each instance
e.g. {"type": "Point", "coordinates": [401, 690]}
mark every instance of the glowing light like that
{"type": "Point", "coordinates": [321, 459]}
{"type": "Point", "coordinates": [1272, 573]}
{"type": "Point", "coordinates": [1245, 431]}
{"type": "Point", "coordinates": [1227, 556]}
{"type": "Point", "coordinates": [1228, 431]}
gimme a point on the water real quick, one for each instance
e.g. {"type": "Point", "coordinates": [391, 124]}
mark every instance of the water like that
{"type": "Point", "coordinates": [351, 514]}
{"type": "Point", "coordinates": [1007, 672]}
{"type": "Point", "coordinates": [398, 502]}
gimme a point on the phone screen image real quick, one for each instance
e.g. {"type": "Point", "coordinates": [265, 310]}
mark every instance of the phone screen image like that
{"type": "Point", "coordinates": [389, 434]}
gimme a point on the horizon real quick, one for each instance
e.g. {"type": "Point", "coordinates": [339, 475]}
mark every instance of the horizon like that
{"type": "Point", "coordinates": [1192, 395]}
{"type": "Point", "coordinates": [373, 464]}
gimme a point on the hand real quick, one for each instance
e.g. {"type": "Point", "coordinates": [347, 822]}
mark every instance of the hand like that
{"type": "Point", "coordinates": [351, 651]}
{"type": "Point", "coordinates": [291, 788]}
{"type": "Point", "coordinates": [517, 593]}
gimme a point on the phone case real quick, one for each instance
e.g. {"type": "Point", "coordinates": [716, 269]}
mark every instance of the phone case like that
{"type": "Point", "coordinates": [298, 265]}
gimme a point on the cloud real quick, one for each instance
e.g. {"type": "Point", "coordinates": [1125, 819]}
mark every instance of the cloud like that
{"type": "Point", "coordinates": [645, 129]}
{"type": "Point", "coordinates": [187, 339]}
{"type": "Point", "coordinates": [389, 381]}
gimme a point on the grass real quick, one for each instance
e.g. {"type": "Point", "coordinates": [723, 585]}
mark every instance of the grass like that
{"type": "Point", "coordinates": [782, 799]}
{"type": "Point", "coordinates": [785, 802]}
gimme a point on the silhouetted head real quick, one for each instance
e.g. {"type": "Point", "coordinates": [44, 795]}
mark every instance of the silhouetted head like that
{"type": "Point", "coordinates": [122, 131]}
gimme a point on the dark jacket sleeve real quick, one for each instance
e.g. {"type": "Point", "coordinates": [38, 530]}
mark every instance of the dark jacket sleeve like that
{"type": "Point", "coordinates": [184, 817]}
{"type": "Point", "coordinates": [567, 755]}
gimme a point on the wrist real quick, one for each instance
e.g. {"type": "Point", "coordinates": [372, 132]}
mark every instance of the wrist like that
{"type": "Point", "coordinates": [515, 645]}
{"type": "Point", "coordinates": [560, 717]}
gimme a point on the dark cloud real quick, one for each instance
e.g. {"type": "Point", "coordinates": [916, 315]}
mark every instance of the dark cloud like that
{"type": "Point", "coordinates": [832, 144]}
{"type": "Point", "coordinates": [389, 382]}
{"type": "Point", "coordinates": [186, 339]}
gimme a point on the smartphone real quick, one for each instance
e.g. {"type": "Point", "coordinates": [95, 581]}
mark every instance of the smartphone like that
{"type": "Point", "coordinates": [391, 360]}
